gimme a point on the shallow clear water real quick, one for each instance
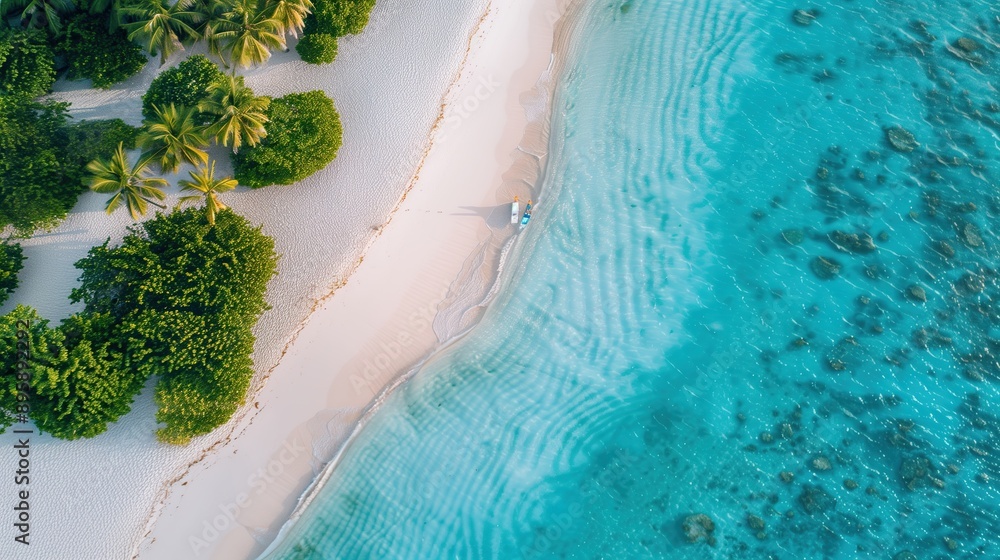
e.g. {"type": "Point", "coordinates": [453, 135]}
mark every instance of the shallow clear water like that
{"type": "Point", "coordinates": [671, 346]}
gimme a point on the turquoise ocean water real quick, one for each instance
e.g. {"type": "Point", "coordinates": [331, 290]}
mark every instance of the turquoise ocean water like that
{"type": "Point", "coordinates": [670, 343]}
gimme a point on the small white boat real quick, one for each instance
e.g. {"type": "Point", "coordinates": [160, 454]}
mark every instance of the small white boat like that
{"type": "Point", "coordinates": [527, 214]}
{"type": "Point", "coordinates": [515, 211]}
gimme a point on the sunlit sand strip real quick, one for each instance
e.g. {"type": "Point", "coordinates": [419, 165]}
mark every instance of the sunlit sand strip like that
{"type": "Point", "coordinates": [379, 323]}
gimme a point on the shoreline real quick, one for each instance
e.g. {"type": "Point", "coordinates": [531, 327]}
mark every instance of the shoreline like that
{"type": "Point", "coordinates": [377, 379]}
{"type": "Point", "coordinates": [388, 85]}
{"type": "Point", "coordinates": [534, 149]}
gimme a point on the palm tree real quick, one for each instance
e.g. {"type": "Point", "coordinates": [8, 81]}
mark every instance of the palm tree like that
{"type": "Point", "coordinates": [127, 183]}
{"type": "Point", "coordinates": [161, 26]}
{"type": "Point", "coordinates": [248, 32]}
{"type": "Point", "coordinates": [173, 137]}
{"type": "Point", "coordinates": [114, 9]}
{"type": "Point", "coordinates": [291, 14]}
{"type": "Point", "coordinates": [203, 181]}
{"type": "Point", "coordinates": [211, 15]}
{"type": "Point", "coordinates": [240, 115]}
{"type": "Point", "coordinates": [40, 13]}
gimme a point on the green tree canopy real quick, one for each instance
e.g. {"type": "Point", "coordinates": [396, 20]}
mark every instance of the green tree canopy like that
{"type": "Point", "coordinates": [303, 136]}
{"type": "Point", "coordinates": [186, 85]}
{"type": "Point", "coordinates": [80, 382]}
{"type": "Point", "coordinates": [93, 52]}
{"type": "Point", "coordinates": [93, 139]}
{"type": "Point", "coordinates": [27, 63]}
{"type": "Point", "coordinates": [39, 180]}
{"type": "Point", "coordinates": [339, 17]}
{"type": "Point", "coordinates": [36, 336]}
{"type": "Point", "coordinates": [11, 262]}
{"type": "Point", "coordinates": [184, 297]}
{"type": "Point", "coordinates": [317, 48]}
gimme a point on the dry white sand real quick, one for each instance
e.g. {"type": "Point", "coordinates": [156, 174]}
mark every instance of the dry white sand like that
{"type": "Point", "coordinates": [437, 251]}
{"type": "Point", "coordinates": [123, 493]}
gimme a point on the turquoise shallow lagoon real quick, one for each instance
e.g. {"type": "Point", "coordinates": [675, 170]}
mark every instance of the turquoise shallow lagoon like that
{"type": "Point", "coordinates": [761, 286]}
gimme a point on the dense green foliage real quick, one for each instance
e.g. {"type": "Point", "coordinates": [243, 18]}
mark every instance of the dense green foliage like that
{"type": "Point", "coordinates": [38, 181]}
{"type": "Point", "coordinates": [177, 299]}
{"type": "Point", "coordinates": [92, 51]}
{"type": "Point", "coordinates": [35, 336]}
{"type": "Point", "coordinates": [303, 136]}
{"type": "Point", "coordinates": [317, 48]}
{"type": "Point", "coordinates": [184, 297]}
{"type": "Point", "coordinates": [11, 262]}
{"type": "Point", "coordinates": [187, 85]}
{"type": "Point", "coordinates": [80, 382]}
{"type": "Point", "coordinates": [339, 17]}
{"type": "Point", "coordinates": [27, 63]}
{"type": "Point", "coordinates": [90, 140]}
{"type": "Point", "coordinates": [42, 159]}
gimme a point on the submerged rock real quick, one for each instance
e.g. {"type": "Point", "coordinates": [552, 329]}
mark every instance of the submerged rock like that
{"type": "Point", "coordinates": [786, 430]}
{"type": "Point", "coordinates": [814, 499]}
{"type": "Point", "coordinates": [852, 242]}
{"type": "Point", "coordinates": [967, 44]}
{"type": "Point", "coordinates": [825, 268]}
{"type": "Point", "coordinates": [786, 476]}
{"type": "Point", "coordinates": [821, 463]}
{"type": "Point", "coordinates": [836, 364]}
{"type": "Point", "coordinates": [916, 472]}
{"type": "Point", "coordinates": [916, 292]}
{"type": "Point", "coordinates": [927, 337]}
{"type": "Point", "coordinates": [850, 484]}
{"type": "Point", "coordinates": [944, 249]}
{"type": "Point", "coordinates": [970, 284]}
{"type": "Point", "coordinates": [793, 236]}
{"type": "Point", "coordinates": [804, 17]}
{"type": "Point", "coordinates": [699, 527]}
{"type": "Point", "coordinates": [900, 139]}
{"type": "Point", "coordinates": [757, 525]}
{"type": "Point", "coordinates": [922, 29]}
{"type": "Point", "coordinates": [974, 374]}
{"type": "Point", "coordinates": [971, 236]}
{"type": "Point", "coordinates": [905, 555]}
{"type": "Point", "coordinates": [798, 343]}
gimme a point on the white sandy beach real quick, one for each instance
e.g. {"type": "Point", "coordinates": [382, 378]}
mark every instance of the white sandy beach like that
{"type": "Point", "coordinates": [383, 321]}
{"type": "Point", "coordinates": [393, 247]}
